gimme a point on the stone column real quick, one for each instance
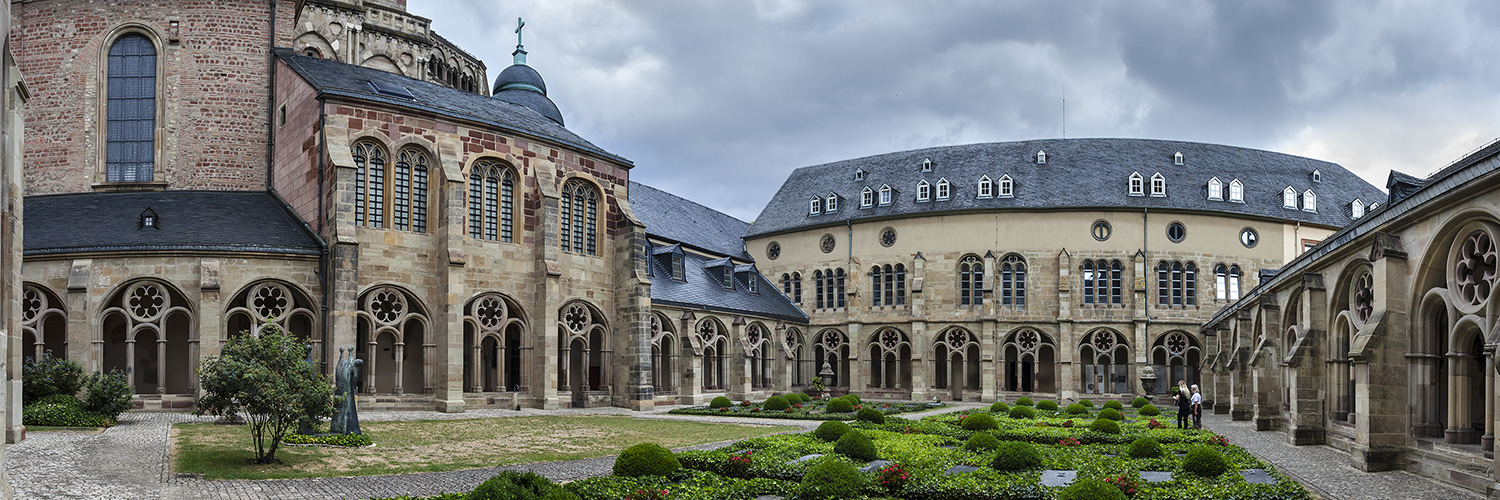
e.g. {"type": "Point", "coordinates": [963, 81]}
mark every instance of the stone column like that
{"type": "Point", "coordinates": [1487, 442]}
{"type": "Point", "coordinates": [989, 344]}
{"type": "Point", "coordinates": [738, 379]}
{"type": "Point", "coordinates": [161, 361]}
{"type": "Point", "coordinates": [921, 362]}
{"type": "Point", "coordinates": [443, 348]}
{"type": "Point", "coordinates": [858, 376]}
{"type": "Point", "coordinates": [1309, 406]}
{"type": "Point", "coordinates": [1240, 395]}
{"type": "Point", "coordinates": [548, 361]}
{"type": "Point", "coordinates": [1267, 383]}
{"type": "Point", "coordinates": [690, 392]}
{"type": "Point", "coordinates": [476, 370]}
{"type": "Point", "coordinates": [209, 320]}
{"type": "Point", "coordinates": [1378, 353]}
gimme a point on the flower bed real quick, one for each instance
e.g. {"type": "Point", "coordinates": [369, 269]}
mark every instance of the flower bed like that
{"type": "Point", "coordinates": [811, 410]}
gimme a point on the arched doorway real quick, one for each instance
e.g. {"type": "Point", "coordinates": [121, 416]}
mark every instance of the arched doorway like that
{"type": "Point", "coordinates": [494, 329]}
{"type": "Point", "coordinates": [1175, 356]}
{"type": "Point", "coordinates": [663, 355]}
{"type": "Point", "coordinates": [1104, 356]}
{"type": "Point", "coordinates": [1030, 361]}
{"type": "Point", "coordinates": [146, 329]}
{"type": "Point", "coordinates": [391, 333]}
{"type": "Point", "coordinates": [890, 360]}
{"type": "Point", "coordinates": [956, 362]}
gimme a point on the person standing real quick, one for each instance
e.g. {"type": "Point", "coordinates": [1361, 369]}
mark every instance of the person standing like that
{"type": "Point", "coordinates": [1197, 407]}
{"type": "Point", "coordinates": [1184, 403]}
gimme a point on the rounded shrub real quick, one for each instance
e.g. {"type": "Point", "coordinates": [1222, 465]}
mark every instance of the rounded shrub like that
{"type": "Point", "coordinates": [979, 422]}
{"type": "Point", "coordinates": [1204, 461]}
{"type": "Point", "coordinates": [1086, 403]}
{"type": "Point", "coordinates": [1112, 414]}
{"type": "Point", "coordinates": [720, 402]}
{"type": "Point", "coordinates": [999, 407]}
{"type": "Point", "coordinates": [646, 459]}
{"type": "Point", "coordinates": [1149, 411]}
{"type": "Point", "coordinates": [855, 445]}
{"type": "Point", "coordinates": [853, 398]}
{"type": "Point", "coordinates": [1022, 412]}
{"type": "Point", "coordinates": [870, 415]}
{"type": "Point", "coordinates": [48, 375]}
{"type": "Point", "coordinates": [1076, 409]}
{"type": "Point", "coordinates": [1091, 489]}
{"type": "Point", "coordinates": [1016, 456]}
{"type": "Point", "coordinates": [1145, 448]}
{"type": "Point", "coordinates": [830, 431]}
{"type": "Point", "coordinates": [1105, 425]}
{"type": "Point", "coordinates": [839, 405]}
{"type": "Point", "coordinates": [802, 397]}
{"type": "Point", "coordinates": [829, 478]}
{"type": "Point", "coordinates": [510, 485]}
{"type": "Point", "coordinates": [1114, 405]}
{"type": "Point", "coordinates": [981, 441]}
{"type": "Point", "coordinates": [1139, 402]}
{"type": "Point", "coordinates": [1024, 401]}
{"type": "Point", "coordinates": [776, 403]}
{"type": "Point", "coordinates": [1046, 404]}
{"type": "Point", "coordinates": [108, 394]}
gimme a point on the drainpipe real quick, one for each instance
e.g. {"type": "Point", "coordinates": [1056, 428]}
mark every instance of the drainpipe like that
{"type": "Point", "coordinates": [324, 261]}
{"type": "Point", "coordinates": [271, 118]}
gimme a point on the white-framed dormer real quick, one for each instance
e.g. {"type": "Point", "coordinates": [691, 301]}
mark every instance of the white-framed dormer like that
{"type": "Point", "coordinates": [1007, 187]}
{"type": "Point", "coordinates": [1177, 158]}
{"type": "Point", "coordinates": [944, 189]}
{"type": "Point", "coordinates": [1236, 191]}
{"type": "Point", "coordinates": [1373, 206]}
{"type": "Point", "coordinates": [1215, 189]}
{"type": "Point", "coordinates": [1317, 176]}
{"type": "Point", "coordinates": [1357, 209]}
{"type": "Point", "coordinates": [1289, 198]}
{"type": "Point", "coordinates": [1158, 185]}
{"type": "Point", "coordinates": [927, 164]}
{"type": "Point", "coordinates": [1137, 184]}
{"type": "Point", "coordinates": [986, 187]}
{"type": "Point", "coordinates": [832, 204]}
{"type": "Point", "coordinates": [815, 205]}
{"type": "Point", "coordinates": [1309, 201]}
{"type": "Point", "coordinates": [867, 198]}
{"type": "Point", "coordinates": [885, 194]}
{"type": "Point", "coordinates": [859, 174]}
{"type": "Point", "coordinates": [924, 192]}
{"type": "Point", "coordinates": [1041, 157]}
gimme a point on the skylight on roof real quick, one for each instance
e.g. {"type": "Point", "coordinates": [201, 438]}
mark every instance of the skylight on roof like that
{"type": "Point", "coordinates": [391, 89]}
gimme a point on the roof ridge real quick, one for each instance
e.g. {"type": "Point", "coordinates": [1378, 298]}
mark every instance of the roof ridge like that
{"type": "Point", "coordinates": [731, 217]}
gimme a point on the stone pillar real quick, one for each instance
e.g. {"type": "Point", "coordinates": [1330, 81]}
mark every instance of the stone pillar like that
{"type": "Point", "coordinates": [1459, 380]}
{"type": "Point", "coordinates": [989, 343]}
{"type": "Point", "coordinates": [476, 370]}
{"type": "Point", "coordinates": [690, 391]}
{"type": "Point", "coordinates": [738, 383]}
{"type": "Point", "coordinates": [1241, 396]}
{"type": "Point", "coordinates": [1378, 353]}
{"type": "Point", "coordinates": [634, 385]}
{"type": "Point", "coordinates": [921, 360]}
{"type": "Point", "coordinates": [858, 376]}
{"type": "Point", "coordinates": [1268, 366]}
{"type": "Point", "coordinates": [549, 362]}
{"type": "Point", "coordinates": [1309, 406]}
{"type": "Point", "coordinates": [1487, 442]}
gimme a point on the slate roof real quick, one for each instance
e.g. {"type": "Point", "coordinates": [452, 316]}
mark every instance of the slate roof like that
{"type": "Point", "coordinates": [1079, 173]}
{"type": "Point", "coordinates": [347, 80]}
{"type": "Point", "coordinates": [703, 288]}
{"type": "Point", "coordinates": [668, 216]}
{"type": "Point", "coordinates": [213, 221]}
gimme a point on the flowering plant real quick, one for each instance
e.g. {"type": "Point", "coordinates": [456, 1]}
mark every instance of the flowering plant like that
{"type": "Point", "coordinates": [797, 405]}
{"type": "Point", "coordinates": [746, 403]}
{"type": "Point", "coordinates": [1218, 440]}
{"type": "Point", "coordinates": [1153, 424]}
{"type": "Point", "coordinates": [911, 430]}
{"type": "Point", "coordinates": [739, 464]}
{"type": "Point", "coordinates": [1068, 442]}
{"type": "Point", "coordinates": [647, 495]}
{"type": "Point", "coordinates": [1067, 424]}
{"type": "Point", "coordinates": [892, 477]}
{"type": "Point", "coordinates": [1123, 482]}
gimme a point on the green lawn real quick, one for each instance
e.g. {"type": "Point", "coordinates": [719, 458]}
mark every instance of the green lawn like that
{"type": "Point", "coordinates": [220, 452]}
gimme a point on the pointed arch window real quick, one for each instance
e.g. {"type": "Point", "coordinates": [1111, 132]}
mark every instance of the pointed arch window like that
{"type": "Point", "coordinates": [491, 201]}
{"type": "Point", "coordinates": [409, 191]}
{"type": "Point", "coordinates": [877, 278]}
{"type": "Point", "coordinates": [1215, 189]}
{"type": "Point", "coordinates": [885, 195]}
{"type": "Point", "coordinates": [866, 198]}
{"type": "Point", "coordinates": [924, 191]}
{"type": "Point", "coordinates": [797, 287]}
{"type": "Point", "coordinates": [986, 187]}
{"type": "Point", "coordinates": [943, 189]}
{"type": "Point", "coordinates": [818, 289]}
{"type": "Point", "coordinates": [840, 297]}
{"type": "Point", "coordinates": [1309, 201]}
{"type": "Point", "coordinates": [578, 214]}
{"type": "Point", "coordinates": [369, 185]}
{"type": "Point", "coordinates": [1236, 191]}
{"type": "Point", "coordinates": [1013, 281]}
{"type": "Point", "coordinates": [1234, 282]}
{"type": "Point", "coordinates": [1007, 186]}
{"type": "Point", "coordinates": [1137, 184]}
{"type": "Point", "coordinates": [1221, 282]}
{"type": "Point", "coordinates": [970, 281]}
{"type": "Point", "coordinates": [130, 113]}
{"type": "Point", "coordinates": [1158, 185]}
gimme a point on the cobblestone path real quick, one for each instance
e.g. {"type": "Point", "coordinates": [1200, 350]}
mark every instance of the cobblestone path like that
{"type": "Point", "coordinates": [1326, 471]}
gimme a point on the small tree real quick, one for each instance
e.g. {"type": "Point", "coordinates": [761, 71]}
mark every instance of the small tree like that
{"type": "Point", "coordinates": [268, 379]}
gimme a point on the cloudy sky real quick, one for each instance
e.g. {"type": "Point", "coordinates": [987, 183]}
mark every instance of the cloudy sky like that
{"type": "Point", "coordinates": [719, 101]}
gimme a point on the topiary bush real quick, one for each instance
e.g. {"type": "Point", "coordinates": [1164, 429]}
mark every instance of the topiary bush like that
{"type": "Point", "coordinates": [979, 422]}
{"type": "Point", "coordinates": [1016, 456]}
{"type": "Point", "coordinates": [1112, 414]}
{"type": "Point", "coordinates": [999, 407]}
{"type": "Point", "coordinates": [1024, 401]}
{"type": "Point", "coordinates": [1149, 411]}
{"type": "Point", "coordinates": [1140, 402]}
{"type": "Point", "coordinates": [1105, 425]}
{"type": "Point", "coordinates": [49, 375]}
{"type": "Point", "coordinates": [1114, 405]}
{"type": "Point", "coordinates": [1022, 412]}
{"type": "Point", "coordinates": [981, 441]}
{"type": "Point", "coordinates": [802, 397]}
{"type": "Point", "coordinates": [856, 445]}
{"type": "Point", "coordinates": [1090, 489]}
{"type": "Point", "coordinates": [870, 415]}
{"type": "Point", "coordinates": [776, 403]}
{"type": "Point", "coordinates": [839, 405]}
{"type": "Point", "coordinates": [853, 398]}
{"type": "Point", "coordinates": [720, 402]}
{"type": "Point", "coordinates": [512, 485]}
{"type": "Point", "coordinates": [1204, 461]}
{"type": "Point", "coordinates": [1145, 448]}
{"type": "Point", "coordinates": [830, 431]}
{"type": "Point", "coordinates": [646, 459]}
{"type": "Point", "coordinates": [829, 478]}
{"type": "Point", "coordinates": [1086, 403]}
{"type": "Point", "coordinates": [108, 394]}
{"type": "Point", "coordinates": [1046, 404]}
{"type": "Point", "coordinates": [1076, 409]}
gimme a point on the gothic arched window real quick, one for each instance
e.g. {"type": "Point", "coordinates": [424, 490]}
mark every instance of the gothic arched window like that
{"type": "Point", "coordinates": [369, 184]}
{"type": "Point", "coordinates": [1013, 281]}
{"type": "Point", "coordinates": [578, 213]}
{"type": "Point", "coordinates": [970, 281]}
{"type": "Point", "coordinates": [491, 201]}
{"type": "Point", "coordinates": [410, 191]}
{"type": "Point", "coordinates": [130, 132]}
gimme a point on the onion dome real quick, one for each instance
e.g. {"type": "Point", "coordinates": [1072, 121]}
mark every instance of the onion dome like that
{"type": "Point", "coordinates": [521, 85]}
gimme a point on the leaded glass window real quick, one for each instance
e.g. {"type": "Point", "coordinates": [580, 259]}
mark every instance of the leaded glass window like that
{"type": "Point", "coordinates": [369, 185]}
{"type": "Point", "coordinates": [579, 217]}
{"type": "Point", "coordinates": [130, 129]}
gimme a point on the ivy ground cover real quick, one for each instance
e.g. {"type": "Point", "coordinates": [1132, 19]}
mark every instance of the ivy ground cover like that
{"type": "Point", "coordinates": [815, 409]}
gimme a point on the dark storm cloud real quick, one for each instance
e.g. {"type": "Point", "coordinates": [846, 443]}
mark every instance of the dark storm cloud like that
{"type": "Point", "coordinates": [718, 101]}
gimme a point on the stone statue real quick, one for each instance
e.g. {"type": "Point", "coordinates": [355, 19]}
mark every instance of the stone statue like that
{"type": "Point", "coordinates": [345, 373]}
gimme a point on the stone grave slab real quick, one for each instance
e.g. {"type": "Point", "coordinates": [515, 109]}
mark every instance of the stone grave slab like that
{"type": "Point", "coordinates": [804, 458]}
{"type": "Point", "coordinates": [960, 469]}
{"type": "Point", "coordinates": [1058, 477]}
{"type": "Point", "coordinates": [1156, 476]}
{"type": "Point", "coordinates": [875, 466]}
{"type": "Point", "coordinates": [1257, 476]}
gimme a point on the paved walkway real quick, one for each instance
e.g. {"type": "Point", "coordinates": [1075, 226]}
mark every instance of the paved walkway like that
{"type": "Point", "coordinates": [1327, 471]}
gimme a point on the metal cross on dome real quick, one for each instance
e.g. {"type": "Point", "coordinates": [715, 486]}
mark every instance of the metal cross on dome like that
{"type": "Point", "coordinates": [519, 24]}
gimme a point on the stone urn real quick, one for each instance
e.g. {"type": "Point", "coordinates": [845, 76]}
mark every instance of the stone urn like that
{"type": "Point", "coordinates": [824, 375]}
{"type": "Point", "coordinates": [1148, 382]}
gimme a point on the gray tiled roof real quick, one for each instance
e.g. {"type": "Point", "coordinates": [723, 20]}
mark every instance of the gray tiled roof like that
{"type": "Point", "coordinates": [214, 221]}
{"type": "Point", "coordinates": [703, 288]}
{"type": "Point", "coordinates": [336, 78]}
{"type": "Point", "coordinates": [1079, 173]}
{"type": "Point", "coordinates": [671, 217]}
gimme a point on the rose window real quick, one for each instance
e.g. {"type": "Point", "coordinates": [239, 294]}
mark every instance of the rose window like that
{"type": "Point", "coordinates": [1364, 297]}
{"type": "Point", "coordinates": [791, 340]}
{"type": "Point", "coordinates": [32, 303]}
{"type": "Point", "coordinates": [827, 243]}
{"type": "Point", "coordinates": [889, 339]}
{"type": "Point", "coordinates": [146, 301]}
{"type": "Point", "coordinates": [957, 338]}
{"type": "Point", "coordinates": [489, 312]}
{"type": "Point", "coordinates": [1176, 343]}
{"type": "Point", "coordinates": [576, 318]}
{"type": "Point", "coordinates": [270, 301]}
{"type": "Point", "coordinates": [387, 306]}
{"type": "Point", "coordinates": [1103, 342]}
{"type": "Point", "coordinates": [655, 326]}
{"type": "Point", "coordinates": [1474, 272]}
{"type": "Point", "coordinates": [832, 342]}
{"type": "Point", "coordinates": [1027, 340]}
{"type": "Point", "coordinates": [755, 336]}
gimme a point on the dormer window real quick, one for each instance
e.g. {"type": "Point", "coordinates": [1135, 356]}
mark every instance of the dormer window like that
{"type": "Point", "coordinates": [924, 191]}
{"type": "Point", "coordinates": [1158, 185]}
{"type": "Point", "coordinates": [1236, 191]}
{"type": "Point", "coordinates": [149, 220]}
{"type": "Point", "coordinates": [926, 164]}
{"type": "Point", "coordinates": [677, 269]}
{"type": "Point", "coordinates": [1007, 186]}
{"type": "Point", "coordinates": [1357, 209]}
{"type": "Point", "coordinates": [867, 198]}
{"type": "Point", "coordinates": [832, 205]}
{"type": "Point", "coordinates": [986, 187]}
{"type": "Point", "coordinates": [1215, 189]}
{"type": "Point", "coordinates": [815, 206]}
{"type": "Point", "coordinates": [1289, 198]}
{"type": "Point", "coordinates": [885, 195]}
{"type": "Point", "coordinates": [1177, 158]}
{"type": "Point", "coordinates": [728, 276]}
{"type": "Point", "coordinates": [1309, 201]}
{"type": "Point", "coordinates": [750, 281]}
{"type": "Point", "coordinates": [1317, 176]}
{"type": "Point", "coordinates": [942, 189]}
{"type": "Point", "coordinates": [1137, 184]}
{"type": "Point", "coordinates": [859, 174]}
{"type": "Point", "coordinates": [1374, 206]}
{"type": "Point", "coordinates": [1041, 157]}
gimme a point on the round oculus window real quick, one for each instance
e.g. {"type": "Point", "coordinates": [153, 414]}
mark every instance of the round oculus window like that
{"type": "Point", "coordinates": [773, 250]}
{"type": "Point", "coordinates": [1249, 237]}
{"type": "Point", "coordinates": [1101, 230]}
{"type": "Point", "coordinates": [827, 243]}
{"type": "Point", "coordinates": [888, 236]}
{"type": "Point", "coordinates": [1176, 232]}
